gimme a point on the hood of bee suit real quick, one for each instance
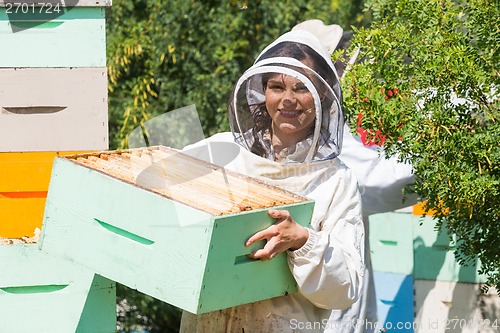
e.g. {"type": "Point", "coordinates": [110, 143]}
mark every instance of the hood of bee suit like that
{"type": "Point", "coordinates": [301, 55]}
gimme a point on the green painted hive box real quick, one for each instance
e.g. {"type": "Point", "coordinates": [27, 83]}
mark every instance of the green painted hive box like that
{"type": "Point", "coordinates": [43, 294]}
{"type": "Point", "coordinates": [168, 225]}
{"type": "Point", "coordinates": [48, 36]}
{"type": "Point", "coordinates": [391, 242]}
{"type": "Point", "coordinates": [434, 254]}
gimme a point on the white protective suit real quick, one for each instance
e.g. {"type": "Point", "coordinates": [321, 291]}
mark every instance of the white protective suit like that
{"type": "Point", "coordinates": [381, 181]}
{"type": "Point", "coordinates": [329, 268]}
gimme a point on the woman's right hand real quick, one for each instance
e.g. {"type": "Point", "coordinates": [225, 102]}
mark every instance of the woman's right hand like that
{"type": "Point", "coordinates": [285, 234]}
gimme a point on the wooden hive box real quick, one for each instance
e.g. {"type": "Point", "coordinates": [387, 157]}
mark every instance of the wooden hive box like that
{"type": "Point", "coordinates": [46, 36]}
{"type": "Point", "coordinates": [408, 244]}
{"type": "Point", "coordinates": [168, 225]}
{"type": "Point", "coordinates": [43, 294]}
{"type": "Point", "coordinates": [391, 242]}
{"type": "Point", "coordinates": [24, 182]}
{"type": "Point", "coordinates": [395, 309]}
{"type": "Point", "coordinates": [451, 306]}
{"type": "Point", "coordinates": [53, 109]}
{"type": "Point", "coordinates": [434, 255]}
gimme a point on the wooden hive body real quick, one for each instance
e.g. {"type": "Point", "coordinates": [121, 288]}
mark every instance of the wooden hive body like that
{"type": "Point", "coordinates": [40, 293]}
{"type": "Point", "coordinates": [168, 225]}
{"type": "Point", "coordinates": [408, 244]}
{"type": "Point", "coordinates": [24, 182]}
{"type": "Point", "coordinates": [76, 38]}
{"type": "Point", "coordinates": [53, 109]}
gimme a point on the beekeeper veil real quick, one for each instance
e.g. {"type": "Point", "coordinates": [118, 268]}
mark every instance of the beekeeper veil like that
{"type": "Point", "coordinates": [300, 55]}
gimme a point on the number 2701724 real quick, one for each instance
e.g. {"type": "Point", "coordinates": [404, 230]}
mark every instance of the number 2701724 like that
{"type": "Point", "coordinates": [32, 8]}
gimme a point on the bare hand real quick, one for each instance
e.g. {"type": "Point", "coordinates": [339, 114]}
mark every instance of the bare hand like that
{"type": "Point", "coordinates": [284, 234]}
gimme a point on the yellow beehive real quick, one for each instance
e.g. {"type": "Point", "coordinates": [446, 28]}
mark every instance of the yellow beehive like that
{"type": "Point", "coordinates": [24, 182]}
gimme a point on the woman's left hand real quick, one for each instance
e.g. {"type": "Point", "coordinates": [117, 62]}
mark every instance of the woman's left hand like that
{"type": "Point", "coordinates": [284, 234]}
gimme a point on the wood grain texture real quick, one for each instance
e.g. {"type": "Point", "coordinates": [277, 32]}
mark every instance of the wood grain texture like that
{"type": "Point", "coordinates": [104, 213]}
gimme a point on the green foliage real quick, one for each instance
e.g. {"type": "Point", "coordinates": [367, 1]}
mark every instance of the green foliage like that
{"type": "Point", "coordinates": [142, 313]}
{"type": "Point", "coordinates": [350, 13]}
{"type": "Point", "coordinates": [414, 59]}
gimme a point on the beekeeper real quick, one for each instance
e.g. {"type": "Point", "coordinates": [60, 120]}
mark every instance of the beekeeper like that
{"type": "Point", "coordinates": [286, 118]}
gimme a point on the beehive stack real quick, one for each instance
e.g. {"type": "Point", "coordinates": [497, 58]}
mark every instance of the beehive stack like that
{"type": "Point", "coordinates": [53, 101]}
{"type": "Point", "coordinates": [419, 283]}
{"type": "Point", "coordinates": [182, 220]}
{"type": "Point", "coordinates": [447, 294]}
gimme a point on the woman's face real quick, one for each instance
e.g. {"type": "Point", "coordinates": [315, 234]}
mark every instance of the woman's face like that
{"type": "Point", "coordinates": [291, 107]}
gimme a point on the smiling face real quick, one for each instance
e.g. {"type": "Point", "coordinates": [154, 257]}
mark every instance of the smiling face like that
{"type": "Point", "coordinates": [291, 107]}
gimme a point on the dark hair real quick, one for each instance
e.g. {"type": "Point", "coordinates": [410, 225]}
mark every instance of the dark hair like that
{"type": "Point", "coordinates": [302, 53]}
{"type": "Point", "coordinates": [263, 122]}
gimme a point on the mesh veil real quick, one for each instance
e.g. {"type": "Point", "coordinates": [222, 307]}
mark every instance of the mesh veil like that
{"type": "Point", "coordinates": [298, 54]}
